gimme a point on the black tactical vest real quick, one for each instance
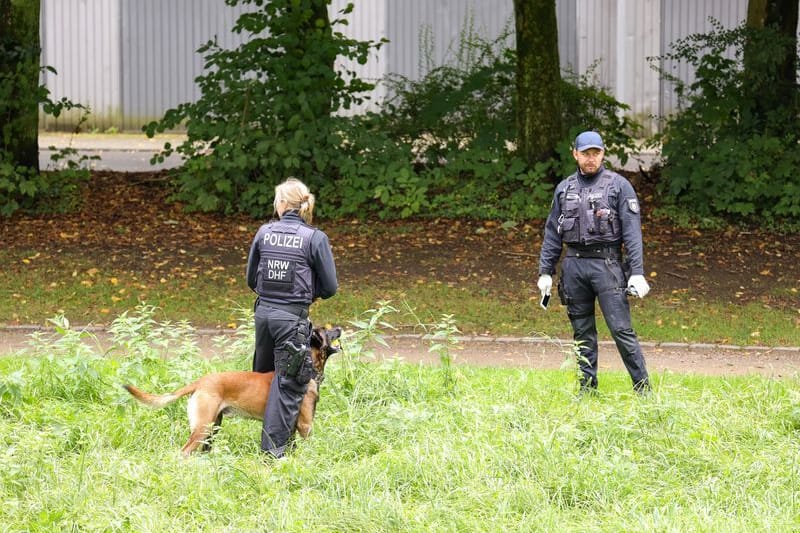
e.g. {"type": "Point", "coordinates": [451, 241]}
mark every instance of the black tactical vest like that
{"type": "Point", "coordinates": [589, 215]}
{"type": "Point", "coordinates": [284, 271]}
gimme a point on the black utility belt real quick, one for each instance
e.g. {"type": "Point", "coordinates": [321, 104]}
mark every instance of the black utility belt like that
{"type": "Point", "coordinates": [299, 310]}
{"type": "Point", "coordinates": [595, 252]}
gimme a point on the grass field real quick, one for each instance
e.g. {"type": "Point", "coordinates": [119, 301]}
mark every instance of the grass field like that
{"type": "Point", "coordinates": [94, 296]}
{"type": "Point", "coordinates": [396, 447]}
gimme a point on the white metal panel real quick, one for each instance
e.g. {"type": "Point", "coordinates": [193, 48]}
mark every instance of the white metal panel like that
{"type": "Point", "coordinates": [596, 22]}
{"type": "Point", "coordinates": [638, 37]}
{"type": "Point", "coordinates": [614, 40]}
{"type": "Point", "coordinates": [158, 50]}
{"type": "Point", "coordinates": [426, 33]}
{"type": "Point", "coordinates": [567, 16]}
{"type": "Point", "coordinates": [681, 18]}
{"type": "Point", "coordinates": [79, 40]}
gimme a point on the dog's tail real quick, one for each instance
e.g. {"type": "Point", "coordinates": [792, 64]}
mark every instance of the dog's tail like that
{"type": "Point", "coordinates": [157, 401]}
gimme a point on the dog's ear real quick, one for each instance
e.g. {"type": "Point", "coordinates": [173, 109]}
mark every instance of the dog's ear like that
{"type": "Point", "coordinates": [317, 339]}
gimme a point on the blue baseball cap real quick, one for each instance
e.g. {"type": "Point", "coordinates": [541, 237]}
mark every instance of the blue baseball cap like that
{"type": "Point", "coordinates": [589, 139]}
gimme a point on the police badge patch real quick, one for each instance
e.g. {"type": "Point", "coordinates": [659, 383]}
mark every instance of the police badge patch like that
{"type": "Point", "coordinates": [633, 205]}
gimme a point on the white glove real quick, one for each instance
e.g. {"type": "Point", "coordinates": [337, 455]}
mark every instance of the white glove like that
{"type": "Point", "coordinates": [545, 284]}
{"type": "Point", "coordinates": [639, 284]}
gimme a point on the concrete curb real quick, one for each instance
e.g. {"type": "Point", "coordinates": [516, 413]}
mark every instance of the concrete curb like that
{"type": "Point", "coordinates": [694, 347]}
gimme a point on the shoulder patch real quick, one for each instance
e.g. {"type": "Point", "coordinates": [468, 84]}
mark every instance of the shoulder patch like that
{"type": "Point", "coordinates": [633, 205]}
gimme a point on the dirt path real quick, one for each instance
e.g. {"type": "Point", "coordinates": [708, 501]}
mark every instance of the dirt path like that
{"type": "Point", "coordinates": [674, 357]}
{"type": "Point", "coordinates": [541, 353]}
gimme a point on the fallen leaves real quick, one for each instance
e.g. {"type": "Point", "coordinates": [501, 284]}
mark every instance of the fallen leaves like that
{"type": "Point", "coordinates": [134, 238]}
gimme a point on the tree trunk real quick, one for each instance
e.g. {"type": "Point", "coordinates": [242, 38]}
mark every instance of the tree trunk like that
{"type": "Point", "coordinates": [19, 74]}
{"type": "Point", "coordinates": [538, 80]}
{"type": "Point", "coordinates": [782, 16]}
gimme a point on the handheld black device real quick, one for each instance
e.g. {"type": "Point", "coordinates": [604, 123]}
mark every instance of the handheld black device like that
{"type": "Point", "coordinates": [545, 301]}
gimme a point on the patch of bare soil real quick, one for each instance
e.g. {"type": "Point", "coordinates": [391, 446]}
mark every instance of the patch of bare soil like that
{"type": "Point", "coordinates": [129, 218]}
{"type": "Point", "coordinates": [679, 358]}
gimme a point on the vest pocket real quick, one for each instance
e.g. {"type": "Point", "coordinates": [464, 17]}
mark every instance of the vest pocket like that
{"type": "Point", "coordinates": [572, 203]}
{"type": "Point", "coordinates": [277, 275]}
{"type": "Point", "coordinates": [569, 230]}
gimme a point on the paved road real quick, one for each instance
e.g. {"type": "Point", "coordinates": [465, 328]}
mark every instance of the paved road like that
{"type": "Point", "coordinates": [122, 152]}
{"type": "Point", "coordinates": [531, 353]}
{"type": "Point", "coordinates": [131, 152]}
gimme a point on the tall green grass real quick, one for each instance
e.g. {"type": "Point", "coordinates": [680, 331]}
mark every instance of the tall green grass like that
{"type": "Point", "coordinates": [396, 446]}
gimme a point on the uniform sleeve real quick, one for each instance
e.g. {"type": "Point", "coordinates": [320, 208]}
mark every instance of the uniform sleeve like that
{"type": "Point", "coordinates": [325, 282]}
{"type": "Point", "coordinates": [629, 211]}
{"type": "Point", "coordinates": [551, 245]}
{"type": "Point", "coordinates": [253, 258]}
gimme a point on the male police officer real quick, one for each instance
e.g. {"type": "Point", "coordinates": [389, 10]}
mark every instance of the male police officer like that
{"type": "Point", "coordinates": [289, 266]}
{"type": "Point", "coordinates": [595, 212]}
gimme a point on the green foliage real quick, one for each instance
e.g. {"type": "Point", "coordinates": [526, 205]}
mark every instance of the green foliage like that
{"type": "Point", "coordinates": [375, 175]}
{"type": "Point", "coordinates": [11, 387]}
{"type": "Point", "coordinates": [57, 191]}
{"type": "Point", "coordinates": [142, 342]}
{"type": "Point", "coordinates": [369, 329]}
{"type": "Point", "coordinates": [70, 368]}
{"type": "Point", "coordinates": [469, 103]}
{"type": "Point", "coordinates": [443, 340]}
{"type": "Point", "coordinates": [267, 109]}
{"type": "Point", "coordinates": [732, 150]}
{"type": "Point", "coordinates": [444, 144]}
{"type": "Point", "coordinates": [23, 187]}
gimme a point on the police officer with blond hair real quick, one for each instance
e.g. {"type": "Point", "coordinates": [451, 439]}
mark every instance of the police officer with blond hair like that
{"type": "Point", "coordinates": [596, 214]}
{"type": "Point", "coordinates": [289, 266]}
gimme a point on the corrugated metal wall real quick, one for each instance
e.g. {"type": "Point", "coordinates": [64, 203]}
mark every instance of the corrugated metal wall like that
{"type": "Point", "coordinates": [131, 60]}
{"type": "Point", "coordinates": [566, 16]}
{"type": "Point", "coordinates": [80, 40]}
{"type": "Point", "coordinates": [159, 40]}
{"type": "Point", "coordinates": [681, 18]}
{"type": "Point", "coordinates": [638, 36]}
{"type": "Point", "coordinates": [426, 34]}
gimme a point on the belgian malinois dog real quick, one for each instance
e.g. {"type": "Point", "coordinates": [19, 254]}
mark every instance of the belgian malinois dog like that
{"type": "Point", "coordinates": [242, 394]}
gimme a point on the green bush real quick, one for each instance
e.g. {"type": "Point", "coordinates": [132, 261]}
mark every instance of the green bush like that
{"type": "Point", "coordinates": [440, 146]}
{"type": "Point", "coordinates": [455, 130]}
{"type": "Point", "coordinates": [267, 109]}
{"type": "Point", "coordinates": [731, 150]}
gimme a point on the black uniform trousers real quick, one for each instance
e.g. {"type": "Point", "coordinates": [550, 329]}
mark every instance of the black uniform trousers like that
{"type": "Point", "coordinates": [274, 327]}
{"type": "Point", "coordinates": [584, 279]}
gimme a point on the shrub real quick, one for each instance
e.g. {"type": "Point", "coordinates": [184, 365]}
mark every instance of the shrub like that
{"type": "Point", "coordinates": [444, 145]}
{"type": "Point", "coordinates": [726, 155]}
{"type": "Point", "coordinates": [267, 109]}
